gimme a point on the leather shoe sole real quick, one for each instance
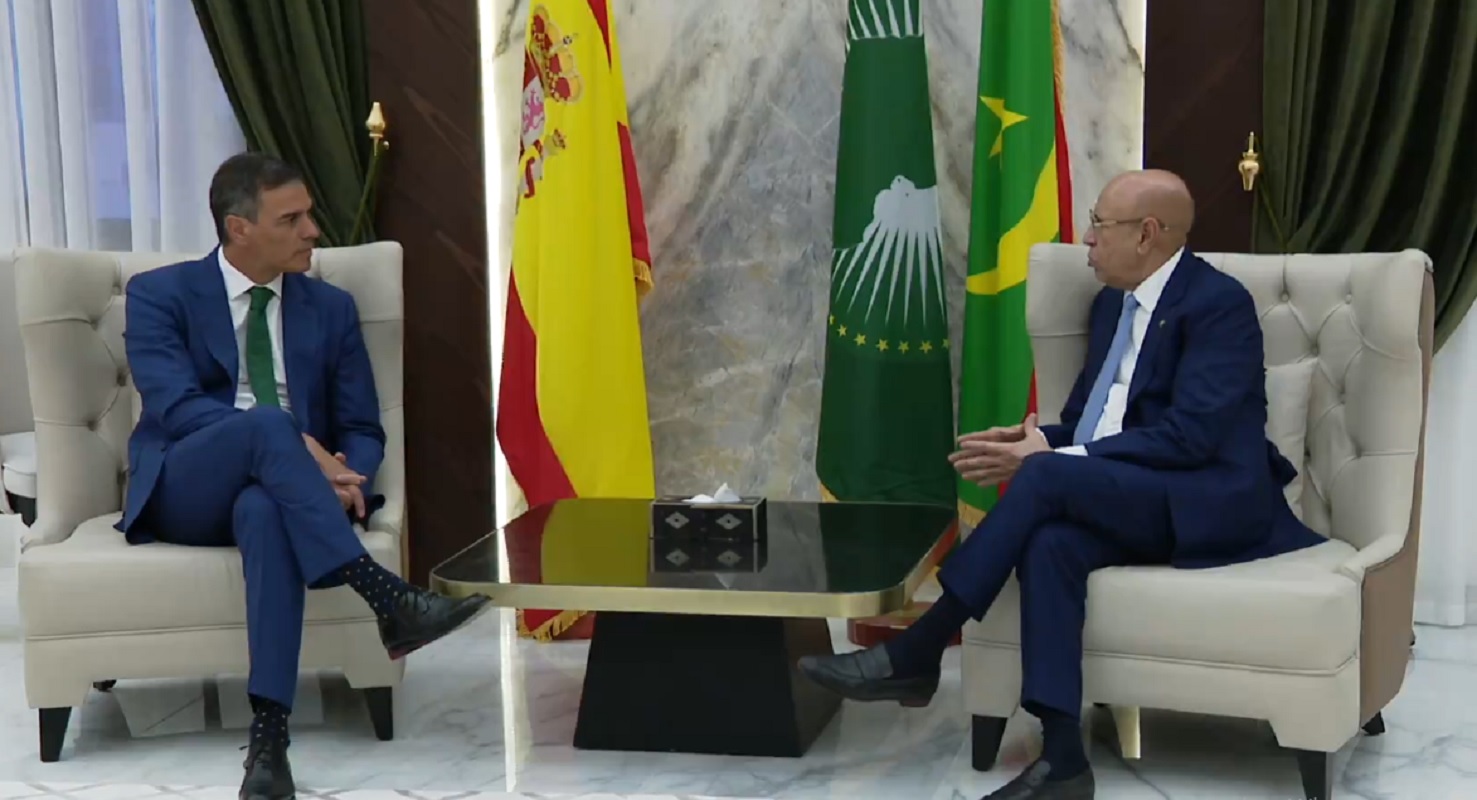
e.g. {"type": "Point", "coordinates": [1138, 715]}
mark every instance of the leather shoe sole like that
{"type": "Point", "coordinates": [913, 692]}
{"type": "Point", "coordinates": [466, 611]}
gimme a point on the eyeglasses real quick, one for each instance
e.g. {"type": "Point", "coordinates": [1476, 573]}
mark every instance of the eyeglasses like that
{"type": "Point", "coordinates": [1099, 223]}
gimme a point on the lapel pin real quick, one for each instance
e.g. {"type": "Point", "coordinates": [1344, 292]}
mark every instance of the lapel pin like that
{"type": "Point", "coordinates": [1161, 323]}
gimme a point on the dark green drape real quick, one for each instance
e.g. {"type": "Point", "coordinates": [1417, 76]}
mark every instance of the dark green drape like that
{"type": "Point", "coordinates": [1370, 135]}
{"type": "Point", "coordinates": [296, 74]}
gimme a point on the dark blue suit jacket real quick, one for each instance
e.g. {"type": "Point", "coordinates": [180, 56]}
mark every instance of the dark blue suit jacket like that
{"type": "Point", "coordinates": [1197, 413]}
{"type": "Point", "coordinates": [182, 353]}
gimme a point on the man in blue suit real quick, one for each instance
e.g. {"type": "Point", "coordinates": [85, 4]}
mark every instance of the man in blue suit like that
{"type": "Point", "coordinates": [1161, 458]}
{"type": "Point", "coordinates": [260, 429]}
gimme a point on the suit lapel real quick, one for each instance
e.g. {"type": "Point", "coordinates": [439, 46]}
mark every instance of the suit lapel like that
{"type": "Point", "coordinates": [299, 343]}
{"type": "Point", "coordinates": [1173, 293]}
{"type": "Point", "coordinates": [212, 315]}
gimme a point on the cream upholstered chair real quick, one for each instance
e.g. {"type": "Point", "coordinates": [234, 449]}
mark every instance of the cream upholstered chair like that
{"type": "Point", "coordinates": [1316, 642]}
{"type": "Point", "coordinates": [17, 439]}
{"type": "Point", "coordinates": [94, 608]}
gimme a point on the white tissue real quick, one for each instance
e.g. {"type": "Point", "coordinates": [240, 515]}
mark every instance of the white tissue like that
{"type": "Point", "coordinates": [722, 495]}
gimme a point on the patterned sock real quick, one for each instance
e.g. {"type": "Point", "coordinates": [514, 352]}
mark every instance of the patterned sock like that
{"type": "Point", "coordinates": [379, 587]}
{"type": "Point", "coordinates": [920, 648]}
{"type": "Point", "coordinates": [270, 721]}
{"type": "Point", "coordinates": [1062, 743]}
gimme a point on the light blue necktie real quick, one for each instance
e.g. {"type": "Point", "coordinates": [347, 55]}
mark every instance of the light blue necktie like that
{"type": "Point", "coordinates": [1098, 398]}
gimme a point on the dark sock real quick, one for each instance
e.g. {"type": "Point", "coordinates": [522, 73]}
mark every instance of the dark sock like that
{"type": "Point", "coordinates": [270, 721]}
{"type": "Point", "coordinates": [920, 648]}
{"type": "Point", "coordinates": [379, 587]}
{"type": "Point", "coordinates": [1062, 745]}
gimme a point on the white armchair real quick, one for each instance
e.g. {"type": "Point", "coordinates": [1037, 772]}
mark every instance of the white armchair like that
{"type": "Point", "coordinates": [95, 609]}
{"type": "Point", "coordinates": [1317, 641]}
{"type": "Point", "coordinates": [17, 440]}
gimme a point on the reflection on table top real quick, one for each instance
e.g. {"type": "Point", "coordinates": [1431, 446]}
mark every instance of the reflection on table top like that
{"type": "Point", "coordinates": [816, 560]}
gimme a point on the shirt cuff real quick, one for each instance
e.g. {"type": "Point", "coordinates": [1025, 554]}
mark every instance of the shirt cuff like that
{"type": "Point", "coordinates": [1071, 450]}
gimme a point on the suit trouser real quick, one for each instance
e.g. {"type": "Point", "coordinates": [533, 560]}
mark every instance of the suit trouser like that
{"type": "Point", "coordinates": [250, 481]}
{"type": "Point", "coordinates": [1062, 517]}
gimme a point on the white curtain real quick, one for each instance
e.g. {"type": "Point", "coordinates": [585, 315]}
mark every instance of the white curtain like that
{"type": "Point", "coordinates": [112, 121]}
{"type": "Point", "coordinates": [1446, 583]}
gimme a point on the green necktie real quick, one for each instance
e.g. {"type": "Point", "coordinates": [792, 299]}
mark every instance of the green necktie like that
{"type": "Point", "coordinates": [259, 362]}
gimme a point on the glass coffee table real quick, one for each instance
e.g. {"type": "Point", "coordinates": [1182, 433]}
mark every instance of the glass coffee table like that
{"type": "Point", "coordinates": [695, 643]}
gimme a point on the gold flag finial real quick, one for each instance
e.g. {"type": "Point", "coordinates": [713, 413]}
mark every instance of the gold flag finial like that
{"type": "Point", "coordinates": [376, 125]}
{"type": "Point", "coordinates": [1250, 164]}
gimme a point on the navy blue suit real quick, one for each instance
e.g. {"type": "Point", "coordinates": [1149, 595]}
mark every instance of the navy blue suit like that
{"type": "Point", "coordinates": [203, 472]}
{"type": "Point", "coordinates": [1191, 480]}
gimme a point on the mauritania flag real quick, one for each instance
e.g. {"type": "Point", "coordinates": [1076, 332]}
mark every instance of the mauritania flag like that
{"type": "Point", "coordinates": [886, 425]}
{"type": "Point", "coordinates": [1022, 197]}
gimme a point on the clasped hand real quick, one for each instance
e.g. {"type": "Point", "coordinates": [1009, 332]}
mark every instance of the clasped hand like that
{"type": "Point", "coordinates": [347, 483]}
{"type": "Point", "coordinates": [991, 457]}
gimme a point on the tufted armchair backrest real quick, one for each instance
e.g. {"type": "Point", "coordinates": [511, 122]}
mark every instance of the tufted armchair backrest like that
{"type": "Point", "coordinates": [1365, 320]}
{"type": "Point", "coordinates": [15, 396]}
{"type": "Point", "coordinates": [70, 304]}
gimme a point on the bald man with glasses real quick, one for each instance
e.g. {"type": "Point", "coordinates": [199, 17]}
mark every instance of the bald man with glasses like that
{"type": "Point", "coordinates": [1161, 458]}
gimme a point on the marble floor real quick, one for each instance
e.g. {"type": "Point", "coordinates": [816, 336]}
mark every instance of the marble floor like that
{"type": "Point", "coordinates": [488, 715]}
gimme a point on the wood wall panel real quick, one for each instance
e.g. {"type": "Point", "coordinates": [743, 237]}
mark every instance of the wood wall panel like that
{"type": "Point", "coordinates": [423, 69]}
{"type": "Point", "coordinates": [1202, 95]}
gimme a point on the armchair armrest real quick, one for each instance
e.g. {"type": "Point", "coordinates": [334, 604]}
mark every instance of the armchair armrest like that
{"type": "Point", "coordinates": [390, 518]}
{"type": "Point", "coordinates": [390, 480]}
{"type": "Point", "coordinates": [1372, 556]}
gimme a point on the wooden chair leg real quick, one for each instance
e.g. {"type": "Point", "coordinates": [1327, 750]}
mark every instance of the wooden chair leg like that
{"type": "Point", "coordinates": [53, 722]}
{"type": "Point", "coordinates": [381, 703]}
{"type": "Point", "coordinates": [1317, 772]}
{"type": "Point", "coordinates": [984, 739]}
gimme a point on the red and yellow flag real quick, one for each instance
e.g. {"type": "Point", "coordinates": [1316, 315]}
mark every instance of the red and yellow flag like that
{"type": "Point", "coordinates": [572, 418]}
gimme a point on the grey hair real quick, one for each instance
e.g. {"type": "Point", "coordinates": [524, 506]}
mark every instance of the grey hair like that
{"type": "Point", "coordinates": [238, 184]}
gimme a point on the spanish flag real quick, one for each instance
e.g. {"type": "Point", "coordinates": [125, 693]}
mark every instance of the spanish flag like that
{"type": "Point", "coordinates": [572, 417]}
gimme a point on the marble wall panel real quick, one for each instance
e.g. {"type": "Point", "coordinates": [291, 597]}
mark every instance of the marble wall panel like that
{"type": "Point", "coordinates": [734, 107]}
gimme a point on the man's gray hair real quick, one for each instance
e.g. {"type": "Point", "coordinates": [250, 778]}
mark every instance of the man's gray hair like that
{"type": "Point", "coordinates": [237, 187]}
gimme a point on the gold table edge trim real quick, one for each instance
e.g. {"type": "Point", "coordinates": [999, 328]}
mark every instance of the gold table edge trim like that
{"type": "Point", "coordinates": [716, 602]}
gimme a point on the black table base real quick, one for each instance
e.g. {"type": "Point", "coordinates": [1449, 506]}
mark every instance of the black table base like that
{"type": "Point", "coordinates": [703, 684]}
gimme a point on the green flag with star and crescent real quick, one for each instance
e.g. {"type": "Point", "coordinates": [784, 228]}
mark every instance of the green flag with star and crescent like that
{"type": "Point", "coordinates": [887, 411]}
{"type": "Point", "coordinates": [1017, 202]}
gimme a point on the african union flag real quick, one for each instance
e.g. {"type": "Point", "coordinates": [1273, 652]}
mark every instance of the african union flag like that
{"type": "Point", "coordinates": [887, 401]}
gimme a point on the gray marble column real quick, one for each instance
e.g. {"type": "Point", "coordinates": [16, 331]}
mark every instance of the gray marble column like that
{"type": "Point", "coordinates": [733, 107]}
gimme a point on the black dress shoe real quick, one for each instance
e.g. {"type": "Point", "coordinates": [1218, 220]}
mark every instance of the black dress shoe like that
{"type": "Point", "coordinates": [420, 617]}
{"type": "Point", "coordinates": [1033, 784]}
{"type": "Point", "coordinates": [268, 775]}
{"type": "Point", "coordinates": [866, 675]}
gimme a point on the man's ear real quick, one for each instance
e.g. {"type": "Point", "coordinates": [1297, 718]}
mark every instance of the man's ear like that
{"type": "Point", "coordinates": [236, 227]}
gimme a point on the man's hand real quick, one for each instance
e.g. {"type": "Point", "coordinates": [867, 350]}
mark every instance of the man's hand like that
{"type": "Point", "coordinates": [347, 485]}
{"type": "Point", "coordinates": [991, 457]}
{"type": "Point", "coordinates": [1009, 433]}
{"type": "Point", "coordinates": [346, 482]}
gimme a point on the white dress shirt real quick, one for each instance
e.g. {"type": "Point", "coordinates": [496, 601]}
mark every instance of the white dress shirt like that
{"type": "Point", "coordinates": [1147, 294]}
{"type": "Point", "coordinates": [238, 288]}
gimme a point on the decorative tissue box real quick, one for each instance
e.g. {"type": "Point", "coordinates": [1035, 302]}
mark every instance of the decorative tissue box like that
{"type": "Point", "coordinates": [696, 554]}
{"type": "Point", "coordinates": [722, 522]}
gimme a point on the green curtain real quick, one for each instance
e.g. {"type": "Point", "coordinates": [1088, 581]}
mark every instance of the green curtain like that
{"type": "Point", "coordinates": [1370, 118]}
{"type": "Point", "coordinates": [296, 75]}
